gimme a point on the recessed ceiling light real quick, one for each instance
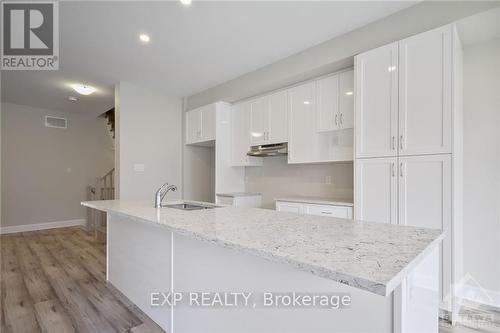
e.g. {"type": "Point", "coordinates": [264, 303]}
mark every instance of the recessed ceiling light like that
{"type": "Point", "coordinates": [144, 38]}
{"type": "Point", "coordinates": [72, 98]}
{"type": "Point", "coordinates": [83, 89]}
{"type": "Point", "coordinates": [307, 102]}
{"type": "Point", "coordinates": [185, 2]}
{"type": "Point", "coordinates": [349, 93]}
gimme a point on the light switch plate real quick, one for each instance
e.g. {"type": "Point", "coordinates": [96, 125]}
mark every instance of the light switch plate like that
{"type": "Point", "coordinates": [139, 167]}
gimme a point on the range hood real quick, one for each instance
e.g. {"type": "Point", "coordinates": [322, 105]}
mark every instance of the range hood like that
{"type": "Point", "coordinates": [277, 149]}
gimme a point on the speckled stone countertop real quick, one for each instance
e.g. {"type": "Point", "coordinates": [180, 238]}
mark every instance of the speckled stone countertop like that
{"type": "Point", "coordinates": [369, 256]}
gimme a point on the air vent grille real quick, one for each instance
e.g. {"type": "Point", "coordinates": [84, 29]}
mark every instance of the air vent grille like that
{"type": "Point", "coordinates": [55, 122]}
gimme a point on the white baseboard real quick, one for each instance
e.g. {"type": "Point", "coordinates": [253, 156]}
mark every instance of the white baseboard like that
{"type": "Point", "coordinates": [479, 295]}
{"type": "Point", "coordinates": [42, 226]}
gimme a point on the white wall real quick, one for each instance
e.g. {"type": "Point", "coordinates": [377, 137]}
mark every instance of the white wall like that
{"type": "Point", "coordinates": [45, 171]}
{"type": "Point", "coordinates": [482, 163]}
{"type": "Point", "coordinates": [149, 132]}
{"type": "Point", "coordinates": [276, 178]}
{"type": "Point", "coordinates": [337, 53]}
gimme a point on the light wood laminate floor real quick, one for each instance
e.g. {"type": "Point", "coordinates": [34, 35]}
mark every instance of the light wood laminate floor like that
{"type": "Point", "coordinates": [55, 281]}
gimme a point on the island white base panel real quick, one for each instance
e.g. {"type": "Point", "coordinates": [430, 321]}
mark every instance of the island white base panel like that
{"type": "Point", "coordinates": [144, 259]}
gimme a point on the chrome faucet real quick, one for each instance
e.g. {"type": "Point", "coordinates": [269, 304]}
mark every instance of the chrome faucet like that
{"type": "Point", "coordinates": [161, 192]}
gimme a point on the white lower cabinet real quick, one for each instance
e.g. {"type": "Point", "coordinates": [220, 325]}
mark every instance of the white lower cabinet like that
{"type": "Point", "coordinates": [254, 200]}
{"type": "Point", "coordinates": [331, 211]}
{"type": "Point", "coordinates": [338, 211]}
{"type": "Point", "coordinates": [376, 190]}
{"type": "Point", "coordinates": [412, 190]}
{"type": "Point", "coordinates": [425, 201]}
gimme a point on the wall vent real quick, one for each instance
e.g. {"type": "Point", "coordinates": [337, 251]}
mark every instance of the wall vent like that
{"type": "Point", "coordinates": [55, 122]}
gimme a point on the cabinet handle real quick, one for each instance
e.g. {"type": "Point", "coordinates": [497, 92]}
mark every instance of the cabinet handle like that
{"type": "Point", "coordinates": [336, 120]}
{"type": "Point", "coordinates": [400, 142]}
{"type": "Point", "coordinates": [393, 142]}
{"type": "Point", "coordinates": [401, 169]}
{"type": "Point", "coordinates": [327, 213]}
{"type": "Point", "coordinates": [341, 119]}
{"type": "Point", "coordinates": [393, 169]}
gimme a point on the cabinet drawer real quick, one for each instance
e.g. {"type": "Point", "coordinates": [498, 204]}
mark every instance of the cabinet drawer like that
{"type": "Point", "coordinates": [229, 201]}
{"type": "Point", "coordinates": [289, 207]}
{"type": "Point", "coordinates": [332, 211]}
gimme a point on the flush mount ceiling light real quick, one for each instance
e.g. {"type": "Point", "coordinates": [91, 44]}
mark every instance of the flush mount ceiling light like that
{"type": "Point", "coordinates": [144, 38]}
{"type": "Point", "coordinates": [185, 2]}
{"type": "Point", "coordinates": [83, 89]}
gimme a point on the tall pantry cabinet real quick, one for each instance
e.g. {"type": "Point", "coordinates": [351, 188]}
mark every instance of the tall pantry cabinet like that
{"type": "Point", "coordinates": [408, 141]}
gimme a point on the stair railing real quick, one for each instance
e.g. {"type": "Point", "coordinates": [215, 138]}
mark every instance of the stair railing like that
{"type": "Point", "coordinates": [103, 189]}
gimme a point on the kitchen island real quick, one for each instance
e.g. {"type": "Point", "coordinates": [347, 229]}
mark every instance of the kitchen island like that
{"type": "Point", "coordinates": [390, 273]}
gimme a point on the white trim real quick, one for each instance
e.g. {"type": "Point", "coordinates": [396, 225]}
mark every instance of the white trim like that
{"type": "Point", "coordinates": [479, 295]}
{"type": "Point", "coordinates": [42, 226]}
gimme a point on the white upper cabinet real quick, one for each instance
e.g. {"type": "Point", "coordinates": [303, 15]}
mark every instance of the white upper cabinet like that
{"type": "Point", "coordinates": [377, 102]}
{"type": "Point", "coordinates": [425, 97]}
{"type": "Point", "coordinates": [376, 190]}
{"type": "Point", "coordinates": [346, 99]}
{"type": "Point", "coordinates": [327, 114]}
{"type": "Point", "coordinates": [259, 124]}
{"type": "Point", "coordinates": [269, 119]}
{"type": "Point", "coordinates": [335, 102]}
{"type": "Point", "coordinates": [278, 118]}
{"type": "Point", "coordinates": [200, 124]}
{"type": "Point", "coordinates": [302, 111]}
{"type": "Point", "coordinates": [193, 126]}
{"type": "Point", "coordinates": [240, 136]}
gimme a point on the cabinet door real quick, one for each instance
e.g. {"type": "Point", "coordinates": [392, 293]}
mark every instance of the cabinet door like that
{"type": "Point", "coordinates": [277, 118]}
{"type": "Point", "coordinates": [193, 126]}
{"type": "Point", "coordinates": [376, 190]}
{"type": "Point", "coordinates": [290, 207]}
{"type": "Point", "coordinates": [425, 99]}
{"type": "Point", "coordinates": [376, 104]}
{"type": "Point", "coordinates": [327, 112]}
{"type": "Point", "coordinates": [240, 136]}
{"type": "Point", "coordinates": [208, 122]}
{"type": "Point", "coordinates": [425, 201]}
{"type": "Point", "coordinates": [302, 135]}
{"type": "Point", "coordinates": [346, 99]}
{"type": "Point", "coordinates": [259, 120]}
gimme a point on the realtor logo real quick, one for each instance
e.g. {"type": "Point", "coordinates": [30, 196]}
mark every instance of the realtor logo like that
{"type": "Point", "coordinates": [30, 36]}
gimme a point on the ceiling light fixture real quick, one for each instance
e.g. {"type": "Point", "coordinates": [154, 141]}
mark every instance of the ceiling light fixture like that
{"type": "Point", "coordinates": [185, 2]}
{"type": "Point", "coordinates": [349, 93]}
{"type": "Point", "coordinates": [83, 89]}
{"type": "Point", "coordinates": [144, 38]}
{"type": "Point", "coordinates": [72, 98]}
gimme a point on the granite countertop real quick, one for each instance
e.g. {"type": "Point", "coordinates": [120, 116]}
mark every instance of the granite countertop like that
{"type": "Point", "coordinates": [365, 255]}
{"type": "Point", "coordinates": [239, 194]}
{"type": "Point", "coordinates": [318, 200]}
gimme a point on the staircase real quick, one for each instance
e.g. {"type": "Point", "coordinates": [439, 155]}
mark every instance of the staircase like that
{"type": "Point", "coordinates": [103, 189]}
{"type": "Point", "coordinates": [110, 117]}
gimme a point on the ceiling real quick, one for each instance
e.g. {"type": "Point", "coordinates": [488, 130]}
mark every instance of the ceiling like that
{"type": "Point", "coordinates": [480, 28]}
{"type": "Point", "coordinates": [192, 48]}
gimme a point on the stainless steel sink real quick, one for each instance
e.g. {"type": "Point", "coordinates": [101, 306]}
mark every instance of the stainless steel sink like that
{"type": "Point", "coordinates": [188, 206]}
